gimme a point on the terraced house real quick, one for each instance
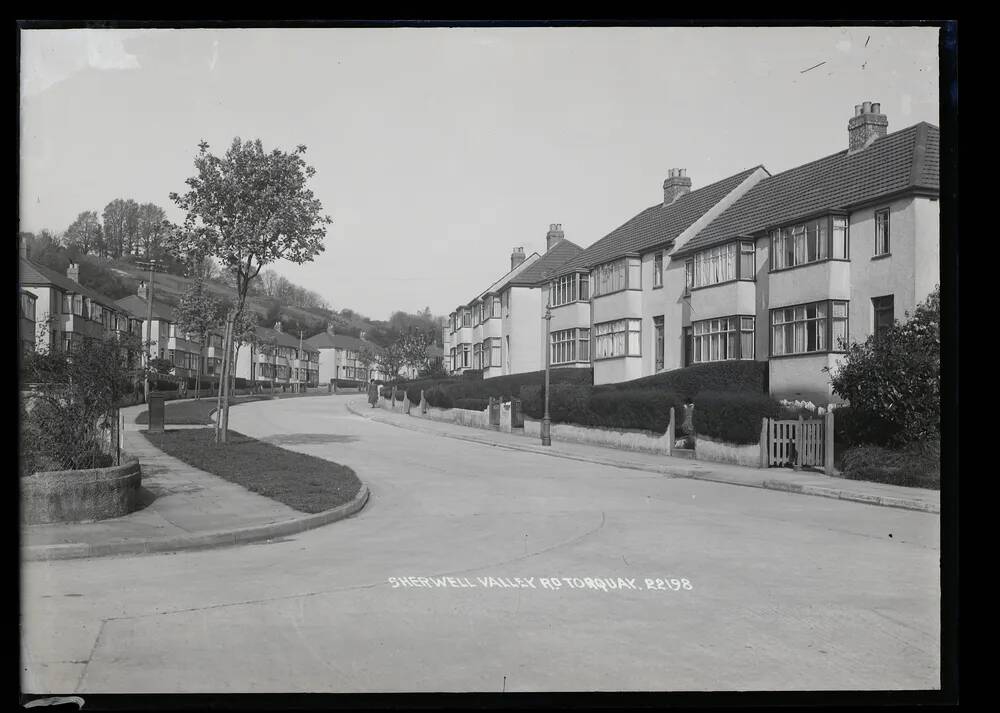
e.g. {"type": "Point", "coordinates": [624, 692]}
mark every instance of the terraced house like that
{"type": "Point", "coordinates": [501, 330]}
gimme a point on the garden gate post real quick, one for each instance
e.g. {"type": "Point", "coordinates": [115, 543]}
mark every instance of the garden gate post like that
{"type": "Point", "coordinates": [828, 444]}
{"type": "Point", "coordinates": [765, 450]}
{"type": "Point", "coordinates": [423, 402]}
{"type": "Point", "coordinates": [671, 432]}
{"type": "Point", "coordinates": [799, 443]}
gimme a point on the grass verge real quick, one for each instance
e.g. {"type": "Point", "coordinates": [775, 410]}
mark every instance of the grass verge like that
{"type": "Point", "coordinates": [197, 412]}
{"type": "Point", "coordinates": [303, 482]}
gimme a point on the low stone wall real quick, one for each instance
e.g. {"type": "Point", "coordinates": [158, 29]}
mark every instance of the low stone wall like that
{"type": "Point", "coordinates": [627, 440]}
{"type": "Point", "coordinates": [461, 416]}
{"type": "Point", "coordinates": [76, 495]}
{"type": "Point", "coordinates": [722, 452]}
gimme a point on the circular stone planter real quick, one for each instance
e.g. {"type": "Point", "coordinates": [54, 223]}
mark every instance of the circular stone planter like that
{"type": "Point", "coordinates": [76, 495]}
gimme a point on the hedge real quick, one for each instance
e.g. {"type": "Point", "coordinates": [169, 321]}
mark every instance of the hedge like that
{"type": "Point", "coordinates": [346, 383]}
{"type": "Point", "coordinates": [743, 376]}
{"type": "Point", "coordinates": [916, 466]}
{"type": "Point", "coordinates": [733, 417]}
{"type": "Point", "coordinates": [503, 387]}
{"type": "Point", "coordinates": [437, 397]}
{"type": "Point", "coordinates": [472, 404]}
{"type": "Point", "coordinates": [632, 409]}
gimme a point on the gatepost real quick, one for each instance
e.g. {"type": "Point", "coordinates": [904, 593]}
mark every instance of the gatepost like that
{"type": "Point", "coordinates": [155, 413]}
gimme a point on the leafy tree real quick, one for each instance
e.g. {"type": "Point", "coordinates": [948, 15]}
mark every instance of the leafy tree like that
{"type": "Point", "coordinates": [896, 374]}
{"type": "Point", "coordinates": [121, 219]}
{"type": "Point", "coordinates": [199, 313]}
{"type": "Point", "coordinates": [413, 346]}
{"type": "Point", "coordinates": [249, 208]}
{"type": "Point", "coordinates": [150, 228]}
{"type": "Point", "coordinates": [84, 233]}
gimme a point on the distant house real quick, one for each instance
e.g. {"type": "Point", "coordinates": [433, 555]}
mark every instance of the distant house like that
{"type": "Point", "coordinates": [275, 358]}
{"type": "Point", "coordinates": [340, 357]}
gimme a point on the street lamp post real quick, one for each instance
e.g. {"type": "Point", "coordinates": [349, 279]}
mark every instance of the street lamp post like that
{"type": "Point", "coordinates": [151, 264]}
{"type": "Point", "coordinates": [546, 421]}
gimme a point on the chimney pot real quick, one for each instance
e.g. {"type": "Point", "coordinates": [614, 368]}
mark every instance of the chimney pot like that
{"type": "Point", "coordinates": [73, 272]}
{"type": "Point", "coordinates": [866, 108]}
{"type": "Point", "coordinates": [554, 235]}
{"type": "Point", "coordinates": [876, 108]}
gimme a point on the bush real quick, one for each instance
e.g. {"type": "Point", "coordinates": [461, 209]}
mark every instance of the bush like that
{"type": "Point", "coordinates": [531, 401]}
{"type": "Point", "coordinates": [916, 465]}
{"type": "Point", "coordinates": [241, 383]}
{"type": "Point", "coordinates": [439, 398]}
{"type": "Point", "coordinates": [731, 376]}
{"type": "Point", "coordinates": [634, 409]}
{"type": "Point", "coordinates": [472, 404]}
{"type": "Point", "coordinates": [472, 375]}
{"type": "Point", "coordinates": [853, 427]}
{"type": "Point", "coordinates": [733, 417]}
{"type": "Point", "coordinates": [346, 383]}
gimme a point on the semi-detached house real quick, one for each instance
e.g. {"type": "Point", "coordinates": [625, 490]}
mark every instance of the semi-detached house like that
{"type": "Point", "coordinates": [785, 269]}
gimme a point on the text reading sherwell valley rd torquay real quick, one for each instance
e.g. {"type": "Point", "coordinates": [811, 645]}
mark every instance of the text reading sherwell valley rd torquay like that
{"type": "Point", "coordinates": [603, 584]}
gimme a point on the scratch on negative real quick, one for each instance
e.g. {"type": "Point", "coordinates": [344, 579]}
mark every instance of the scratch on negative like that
{"type": "Point", "coordinates": [813, 67]}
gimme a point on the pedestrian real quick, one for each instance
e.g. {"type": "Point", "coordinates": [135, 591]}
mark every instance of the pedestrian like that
{"type": "Point", "coordinates": [372, 394]}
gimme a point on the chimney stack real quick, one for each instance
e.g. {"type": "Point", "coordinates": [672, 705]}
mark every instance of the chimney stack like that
{"type": "Point", "coordinates": [277, 327]}
{"type": "Point", "coordinates": [676, 185]}
{"type": "Point", "coordinates": [554, 235]}
{"type": "Point", "coordinates": [73, 272]}
{"type": "Point", "coordinates": [516, 257]}
{"type": "Point", "coordinates": [142, 290]}
{"type": "Point", "coordinates": [361, 336]}
{"type": "Point", "coordinates": [329, 329]}
{"type": "Point", "coordinates": [867, 124]}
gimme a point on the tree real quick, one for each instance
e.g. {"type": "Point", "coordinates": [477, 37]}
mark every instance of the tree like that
{"type": "Point", "coordinates": [151, 225]}
{"type": "Point", "coordinates": [120, 225]}
{"type": "Point", "coordinates": [84, 234]}
{"type": "Point", "coordinates": [895, 375]}
{"type": "Point", "coordinates": [413, 346]}
{"type": "Point", "coordinates": [199, 313]}
{"type": "Point", "coordinates": [249, 208]}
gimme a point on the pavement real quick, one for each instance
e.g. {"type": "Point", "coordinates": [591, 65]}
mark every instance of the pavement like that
{"type": "Point", "coordinates": [182, 507]}
{"type": "Point", "coordinates": [785, 479]}
{"type": "Point", "coordinates": [436, 585]}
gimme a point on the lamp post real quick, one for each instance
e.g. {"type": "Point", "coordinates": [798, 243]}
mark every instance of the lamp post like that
{"type": "Point", "coordinates": [151, 264]}
{"type": "Point", "coordinates": [546, 421]}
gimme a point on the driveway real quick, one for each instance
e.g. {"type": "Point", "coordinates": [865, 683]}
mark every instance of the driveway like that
{"type": "Point", "coordinates": [773, 591]}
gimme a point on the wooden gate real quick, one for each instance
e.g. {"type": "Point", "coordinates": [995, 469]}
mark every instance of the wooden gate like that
{"type": "Point", "coordinates": [494, 411]}
{"type": "Point", "coordinates": [797, 443]}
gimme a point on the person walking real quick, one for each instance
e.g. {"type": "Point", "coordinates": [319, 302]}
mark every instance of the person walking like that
{"type": "Point", "coordinates": [372, 394]}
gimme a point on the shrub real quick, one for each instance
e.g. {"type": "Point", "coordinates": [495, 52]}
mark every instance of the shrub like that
{"type": "Point", "coordinates": [472, 375]}
{"type": "Point", "coordinates": [731, 376]}
{"type": "Point", "coordinates": [531, 401]}
{"type": "Point", "coordinates": [916, 465]}
{"type": "Point", "coordinates": [853, 427]}
{"type": "Point", "coordinates": [439, 398]}
{"type": "Point", "coordinates": [733, 417]}
{"type": "Point", "coordinates": [241, 383]}
{"type": "Point", "coordinates": [472, 404]}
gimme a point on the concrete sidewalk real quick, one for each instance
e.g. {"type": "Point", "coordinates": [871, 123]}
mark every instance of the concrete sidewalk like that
{"type": "Point", "coordinates": [184, 507]}
{"type": "Point", "coordinates": [804, 482]}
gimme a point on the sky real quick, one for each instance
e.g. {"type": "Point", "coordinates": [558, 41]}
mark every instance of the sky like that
{"type": "Point", "coordinates": [439, 150]}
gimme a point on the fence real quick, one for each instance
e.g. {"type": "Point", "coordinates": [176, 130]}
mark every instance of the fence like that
{"type": "Point", "coordinates": [801, 443]}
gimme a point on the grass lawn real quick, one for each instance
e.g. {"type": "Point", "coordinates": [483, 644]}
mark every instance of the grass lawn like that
{"type": "Point", "coordinates": [197, 412]}
{"type": "Point", "coordinates": [302, 482]}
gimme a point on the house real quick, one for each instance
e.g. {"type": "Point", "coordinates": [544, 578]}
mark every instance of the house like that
{"type": "Point", "coordinates": [435, 354]}
{"type": "Point", "coordinates": [813, 258]}
{"type": "Point", "coordinates": [611, 303]}
{"type": "Point", "coordinates": [169, 342]}
{"type": "Point", "coordinates": [26, 325]}
{"type": "Point", "coordinates": [277, 359]}
{"type": "Point", "coordinates": [63, 311]}
{"type": "Point", "coordinates": [340, 356]}
{"type": "Point", "coordinates": [499, 331]}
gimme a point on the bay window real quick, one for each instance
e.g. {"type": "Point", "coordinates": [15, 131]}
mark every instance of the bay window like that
{"type": "Point", "coordinates": [722, 339]}
{"type": "Point", "coordinates": [724, 263]}
{"type": "Point", "coordinates": [813, 241]}
{"type": "Point", "coordinates": [570, 345]}
{"type": "Point", "coordinates": [623, 274]}
{"type": "Point", "coordinates": [569, 288]}
{"type": "Point", "coordinates": [618, 339]}
{"type": "Point", "coordinates": [809, 328]}
{"type": "Point", "coordinates": [466, 318]}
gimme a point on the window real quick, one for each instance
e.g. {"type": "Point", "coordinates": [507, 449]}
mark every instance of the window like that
{"type": "Point", "coordinates": [658, 270]}
{"type": "Point", "coordinates": [688, 275]}
{"type": "Point", "coordinates": [27, 306]}
{"type": "Point", "coordinates": [840, 249]}
{"type": "Point", "coordinates": [454, 364]}
{"type": "Point", "coordinates": [562, 290]}
{"type": "Point", "coordinates": [617, 339]}
{"type": "Point", "coordinates": [658, 341]}
{"type": "Point", "coordinates": [634, 273]}
{"type": "Point", "coordinates": [505, 302]}
{"type": "Point", "coordinates": [466, 356]}
{"type": "Point", "coordinates": [882, 232]}
{"type": "Point", "coordinates": [494, 351]}
{"type": "Point", "coordinates": [722, 339]}
{"type": "Point", "coordinates": [816, 240]}
{"type": "Point", "coordinates": [66, 303]}
{"type": "Point", "coordinates": [883, 313]}
{"type": "Point", "coordinates": [78, 305]}
{"type": "Point", "coordinates": [584, 283]}
{"type": "Point", "coordinates": [570, 345]}
{"type": "Point", "coordinates": [803, 329]}
{"type": "Point", "coordinates": [466, 318]}
{"type": "Point", "coordinates": [748, 261]}
{"type": "Point", "coordinates": [477, 356]}
{"type": "Point", "coordinates": [507, 338]}
{"type": "Point", "coordinates": [715, 265]}
{"type": "Point", "coordinates": [610, 277]}
{"type": "Point", "coordinates": [496, 307]}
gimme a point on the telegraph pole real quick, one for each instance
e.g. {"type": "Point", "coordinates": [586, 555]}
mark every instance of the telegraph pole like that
{"type": "Point", "coordinates": [151, 265]}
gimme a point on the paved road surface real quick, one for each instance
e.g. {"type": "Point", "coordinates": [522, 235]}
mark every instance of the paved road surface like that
{"type": "Point", "coordinates": [788, 592]}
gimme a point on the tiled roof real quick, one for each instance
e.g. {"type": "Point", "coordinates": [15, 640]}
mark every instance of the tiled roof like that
{"type": "Point", "coordinates": [905, 160]}
{"type": "Point", "coordinates": [656, 225]}
{"type": "Point", "coordinates": [34, 274]}
{"type": "Point", "coordinates": [325, 340]}
{"type": "Point", "coordinates": [552, 260]}
{"type": "Point", "coordinates": [507, 277]}
{"type": "Point", "coordinates": [136, 306]}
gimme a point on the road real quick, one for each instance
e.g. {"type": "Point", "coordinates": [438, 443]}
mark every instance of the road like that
{"type": "Point", "coordinates": [781, 591]}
